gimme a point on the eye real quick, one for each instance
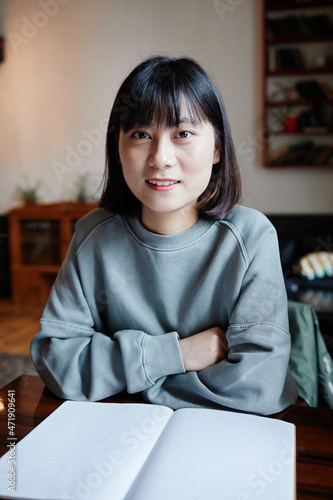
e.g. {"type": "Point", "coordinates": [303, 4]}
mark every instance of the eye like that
{"type": "Point", "coordinates": [139, 134]}
{"type": "Point", "coordinates": [184, 134]}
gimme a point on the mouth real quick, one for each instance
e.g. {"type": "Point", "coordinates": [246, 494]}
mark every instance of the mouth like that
{"type": "Point", "coordinates": [164, 182]}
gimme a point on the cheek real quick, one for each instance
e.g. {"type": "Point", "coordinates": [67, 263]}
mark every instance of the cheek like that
{"type": "Point", "coordinates": [132, 160]}
{"type": "Point", "coordinates": [130, 178]}
{"type": "Point", "coordinates": [200, 181]}
{"type": "Point", "coordinates": [203, 168]}
{"type": "Point", "coordinates": [206, 178]}
{"type": "Point", "coordinates": [128, 172]}
{"type": "Point", "coordinates": [128, 165]}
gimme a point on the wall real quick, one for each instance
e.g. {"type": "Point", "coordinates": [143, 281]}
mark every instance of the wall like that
{"type": "Point", "coordinates": [66, 58]}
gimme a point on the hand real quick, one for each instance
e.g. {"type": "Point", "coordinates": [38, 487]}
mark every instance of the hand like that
{"type": "Point", "coordinates": [204, 349]}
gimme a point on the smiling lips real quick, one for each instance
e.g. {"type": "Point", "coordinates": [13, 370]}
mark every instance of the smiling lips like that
{"type": "Point", "coordinates": [161, 185]}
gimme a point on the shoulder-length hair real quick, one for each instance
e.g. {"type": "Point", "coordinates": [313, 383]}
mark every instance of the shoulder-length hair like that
{"type": "Point", "coordinates": [153, 93]}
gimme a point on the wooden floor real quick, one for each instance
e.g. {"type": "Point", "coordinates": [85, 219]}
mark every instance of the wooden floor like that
{"type": "Point", "coordinates": [18, 324]}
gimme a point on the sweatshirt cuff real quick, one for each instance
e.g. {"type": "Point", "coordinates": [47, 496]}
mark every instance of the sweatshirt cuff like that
{"type": "Point", "coordinates": [146, 358]}
{"type": "Point", "coordinates": [162, 356]}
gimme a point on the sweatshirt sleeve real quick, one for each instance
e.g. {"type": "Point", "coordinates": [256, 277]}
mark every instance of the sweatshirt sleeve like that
{"type": "Point", "coordinates": [255, 376]}
{"type": "Point", "coordinates": [77, 359]}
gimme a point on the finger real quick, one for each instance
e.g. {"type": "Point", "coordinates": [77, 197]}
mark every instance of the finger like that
{"type": "Point", "coordinates": [224, 349]}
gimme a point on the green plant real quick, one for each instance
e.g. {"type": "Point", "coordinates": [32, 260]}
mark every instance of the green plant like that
{"type": "Point", "coordinates": [283, 92]}
{"type": "Point", "coordinates": [82, 189]}
{"type": "Point", "coordinates": [28, 193]}
{"type": "Point", "coordinates": [286, 113]}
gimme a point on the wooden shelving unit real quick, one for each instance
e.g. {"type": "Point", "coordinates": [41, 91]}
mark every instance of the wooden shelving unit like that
{"type": "Point", "coordinates": [2, 49]}
{"type": "Point", "coordinates": [39, 237]}
{"type": "Point", "coordinates": [289, 60]}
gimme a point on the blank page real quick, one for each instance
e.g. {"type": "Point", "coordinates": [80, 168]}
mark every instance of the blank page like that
{"type": "Point", "coordinates": [85, 451]}
{"type": "Point", "coordinates": [214, 454]}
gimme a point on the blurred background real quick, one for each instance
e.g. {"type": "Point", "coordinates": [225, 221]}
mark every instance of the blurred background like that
{"type": "Point", "coordinates": [65, 59]}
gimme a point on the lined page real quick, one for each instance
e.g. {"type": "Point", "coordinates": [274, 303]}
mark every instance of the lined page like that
{"type": "Point", "coordinates": [214, 454]}
{"type": "Point", "coordinates": [85, 450]}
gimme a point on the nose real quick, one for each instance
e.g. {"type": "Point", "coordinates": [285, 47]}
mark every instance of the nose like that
{"type": "Point", "coordinates": [161, 154]}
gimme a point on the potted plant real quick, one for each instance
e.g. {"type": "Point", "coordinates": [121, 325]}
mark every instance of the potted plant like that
{"type": "Point", "coordinates": [28, 193]}
{"type": "Point", "coordinates": [82, 190]}
{"type": "Point", "coordinates": [289, 119]}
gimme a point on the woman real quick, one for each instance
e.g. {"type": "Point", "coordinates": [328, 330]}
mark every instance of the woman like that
{"type": "Point", "coordinates": [170, 289]}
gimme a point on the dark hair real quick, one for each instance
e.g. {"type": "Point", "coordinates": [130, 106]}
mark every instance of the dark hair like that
{"type": "Point", "coordinates": [152, 93]}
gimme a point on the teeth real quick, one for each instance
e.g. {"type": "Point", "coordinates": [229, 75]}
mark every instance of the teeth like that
{"type": "Point", "coordinates": [162, 183]}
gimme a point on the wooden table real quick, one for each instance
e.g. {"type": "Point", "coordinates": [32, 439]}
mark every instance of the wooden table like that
{"type": "Point", "coordinates": [314, 431]}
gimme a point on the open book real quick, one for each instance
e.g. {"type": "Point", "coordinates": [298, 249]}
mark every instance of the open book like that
{"type": "Point", "coordinates": [109, 451]}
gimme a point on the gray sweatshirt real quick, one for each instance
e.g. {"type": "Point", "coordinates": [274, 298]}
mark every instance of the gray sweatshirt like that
{"type": "Point", "coordinates": [125, 296]}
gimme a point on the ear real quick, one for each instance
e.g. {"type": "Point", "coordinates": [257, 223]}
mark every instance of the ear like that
{"type": "Point", "coordinates": [217, 153]}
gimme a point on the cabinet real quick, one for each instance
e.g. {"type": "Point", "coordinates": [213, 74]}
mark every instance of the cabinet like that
{"type": "Point", "coordinates": [39, 236]}
{"type": "Point", "coordinates": [298, 83]}
{"type": "Point", "coordinates": [2, 49]}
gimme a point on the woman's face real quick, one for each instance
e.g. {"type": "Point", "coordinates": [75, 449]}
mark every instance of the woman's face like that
{"type": "Point", "coordinates": [167, 169]}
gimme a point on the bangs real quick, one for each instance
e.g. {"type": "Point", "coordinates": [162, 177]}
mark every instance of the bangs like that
{"type": "Point", "coordinates": [163, 104]}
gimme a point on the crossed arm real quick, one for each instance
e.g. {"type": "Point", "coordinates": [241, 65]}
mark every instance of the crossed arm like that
{"type": "Point", "coordinates": [204, 349]}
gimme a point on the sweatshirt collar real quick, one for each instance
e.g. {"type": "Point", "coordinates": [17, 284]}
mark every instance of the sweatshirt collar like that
{"type": "Point", "coordinates": [167, 242]}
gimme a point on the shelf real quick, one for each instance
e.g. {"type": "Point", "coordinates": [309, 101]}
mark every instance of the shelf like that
{"type": "Point", "coordinates": [293, 165]}
{"type": "Point", "coordinates": [300, 132]}
{"type": "Point", "coordinates": [299, 39]}
{"type": "Point", "coordinates": [311, 4]}
{"type": "Point", "coordinates": [39, 239]}
{"type": "Point", "coordinates": [41, 256]}
{"type": "Point", "coordinates": [42, 269]}
{"type": "Point", "coordinates": [299, 102]}
{"type": "Point", "coordinates": [293, 42]}
{"type": "Point", "coordinates": [2, 49]}
{"type": "Point", "coordinates": [43, 240]}
{"type": "Point", "coordinates": [301, 71]}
